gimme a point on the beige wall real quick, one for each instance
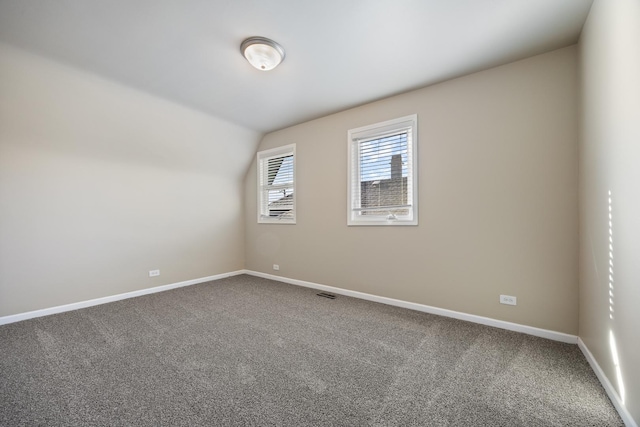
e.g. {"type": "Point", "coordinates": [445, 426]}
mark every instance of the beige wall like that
{"type": "Point", "coordinates": [100, 183]}
{"type": "Point", "coordinates": [610, 162]}
{"type": "Point", "coordinates": [498, 199]}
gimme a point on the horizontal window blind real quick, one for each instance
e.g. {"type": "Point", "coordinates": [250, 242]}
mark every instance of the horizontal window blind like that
{"type": "Point", "coordinates": [276, 199]}
{"type": "Point", "coordinates": [382, 172]}
{"type": "Point", "coordinates": [382, 181]}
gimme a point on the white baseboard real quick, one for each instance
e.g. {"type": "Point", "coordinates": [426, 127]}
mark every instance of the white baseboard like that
{"type": "Point", "coordinates": [97, 301]}
{"type": "Point", "coordinates": [608, 387]}
{"type": "Point", "coordinates": [544, 333]}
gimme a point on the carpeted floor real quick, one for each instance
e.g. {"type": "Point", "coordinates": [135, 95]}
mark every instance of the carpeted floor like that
{"type": "Point", "coordinates": [250, 351]}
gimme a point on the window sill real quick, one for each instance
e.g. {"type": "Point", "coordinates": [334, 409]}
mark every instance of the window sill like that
{"type": "Point", "coordinates": [382, 223]}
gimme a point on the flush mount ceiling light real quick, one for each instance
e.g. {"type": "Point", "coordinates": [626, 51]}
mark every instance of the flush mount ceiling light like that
{"type": "Point", "coordinates": [262, 53]}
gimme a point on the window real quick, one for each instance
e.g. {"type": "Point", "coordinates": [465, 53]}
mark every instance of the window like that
{"type": "Point", "coordinates": [277, 185]}
{"type": "Point", "coordinates": [382, 188]}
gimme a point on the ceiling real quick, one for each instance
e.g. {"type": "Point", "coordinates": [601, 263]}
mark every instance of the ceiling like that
{"type": "Point", "coordinates": [339, 53]}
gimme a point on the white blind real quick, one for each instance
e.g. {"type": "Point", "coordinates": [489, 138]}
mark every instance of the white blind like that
{"type": "Point", "coordinates": [382, 184]}
{"type": "Point", "coordinates": [276, 186]}
{"type": "Point", "coordinates": [383, 175]}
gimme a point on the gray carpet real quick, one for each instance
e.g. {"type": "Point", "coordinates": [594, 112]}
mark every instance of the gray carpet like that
{"type": "Point", "coordinates": [250, 351]}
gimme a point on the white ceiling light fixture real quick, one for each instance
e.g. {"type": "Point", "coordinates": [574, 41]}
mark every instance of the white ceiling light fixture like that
{"type": "Point", "coordinates": [262, 53]}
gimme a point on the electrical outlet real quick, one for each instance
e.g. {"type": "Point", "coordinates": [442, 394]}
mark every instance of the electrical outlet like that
{"type": "Point", "coordinates": [508, 299]}
{"type": "Point", "coordinates": [154, 273]}
{"type": "Point", "coordinates": [276, 267]}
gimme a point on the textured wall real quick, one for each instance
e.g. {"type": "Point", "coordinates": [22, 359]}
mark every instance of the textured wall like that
{"type": "Point", "coordinates": [610, 194]}
{"type": "Point", "coordinates": [100, 183]}
{"type": "Point", "coordinates": [497, 193]}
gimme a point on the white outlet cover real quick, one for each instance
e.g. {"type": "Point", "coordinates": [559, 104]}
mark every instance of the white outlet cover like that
{"type": "Point", "coordinates": [276, 267]}
{"type": "Point", "coordinates": [153, 273]}
{"type": "Point", "coordinates": [508, 299]}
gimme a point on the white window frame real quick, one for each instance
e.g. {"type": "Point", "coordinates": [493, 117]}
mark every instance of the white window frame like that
{"type": "Point", "coordinates": [367, 133]}
{"type": "Point", "coordinates": [263, 158]}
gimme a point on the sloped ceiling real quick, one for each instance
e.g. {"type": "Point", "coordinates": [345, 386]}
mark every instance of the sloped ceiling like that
{"type": "Point", "coordinates": [340, 53]}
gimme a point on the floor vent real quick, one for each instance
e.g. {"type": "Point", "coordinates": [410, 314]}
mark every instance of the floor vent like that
{"type": "Point", "coordinates": [326, 295]}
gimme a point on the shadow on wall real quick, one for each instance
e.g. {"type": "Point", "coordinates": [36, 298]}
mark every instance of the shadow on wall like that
{"type": "Point", "coordinates": [612, 339]}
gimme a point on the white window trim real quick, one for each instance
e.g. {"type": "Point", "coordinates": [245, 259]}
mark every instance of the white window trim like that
{"type": "Point", "coordinates": [378, 130]}
{"type": "Point", "coordinates": [265, 155]}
